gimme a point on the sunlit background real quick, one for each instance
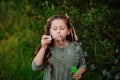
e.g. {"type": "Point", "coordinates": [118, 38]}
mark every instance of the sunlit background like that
{"type": "Point", "coordinates": [97, 23]}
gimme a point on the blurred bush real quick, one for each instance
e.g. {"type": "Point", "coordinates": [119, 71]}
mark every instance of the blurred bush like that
{"type": "Point", "coordinates": [96, 22]}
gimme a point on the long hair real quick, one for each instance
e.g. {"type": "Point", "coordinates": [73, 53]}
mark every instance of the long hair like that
{"type": "Point", "coordinates": [71, 37]}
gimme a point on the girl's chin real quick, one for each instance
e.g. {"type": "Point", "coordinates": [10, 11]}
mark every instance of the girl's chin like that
{"type": "Point", "coordinates": [57, 40]}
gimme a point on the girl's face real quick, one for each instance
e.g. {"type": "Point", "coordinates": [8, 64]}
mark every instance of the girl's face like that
{"type": "Point", "coordinates": [59, 29]}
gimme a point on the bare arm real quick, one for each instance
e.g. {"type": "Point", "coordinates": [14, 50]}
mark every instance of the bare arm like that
{"type": "Point", "coordinates": [39, 57]}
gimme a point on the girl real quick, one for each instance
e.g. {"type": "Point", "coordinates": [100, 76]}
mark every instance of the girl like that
{"type": "Point", "coordinates": [59, 51]}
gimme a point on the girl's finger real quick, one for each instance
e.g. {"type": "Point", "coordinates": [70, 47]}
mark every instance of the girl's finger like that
{"type": "Point", "coordinates": [45, 37]}
{"type": "Point", "coordinates": [77, 75]}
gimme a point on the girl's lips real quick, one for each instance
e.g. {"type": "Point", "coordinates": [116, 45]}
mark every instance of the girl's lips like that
{"type": "Point", "coordinates": [57, 37]}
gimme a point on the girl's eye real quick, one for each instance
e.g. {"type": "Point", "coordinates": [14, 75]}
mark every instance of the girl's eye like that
{"type": "Point", "coordinates": [62, 28]}
{"type": "Point", "coordinates": [54, 28]}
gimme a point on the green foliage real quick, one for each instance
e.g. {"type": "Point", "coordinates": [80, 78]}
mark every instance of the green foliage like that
{"type": "Point", "coordinates": [96, 22]}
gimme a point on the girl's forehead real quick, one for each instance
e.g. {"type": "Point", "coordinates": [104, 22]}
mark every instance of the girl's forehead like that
{"type": "Point", "coordinates": [58, 21]}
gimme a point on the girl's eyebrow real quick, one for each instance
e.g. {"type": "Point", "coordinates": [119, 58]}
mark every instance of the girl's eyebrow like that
{"type": "Point", "coordinates": [54, 27]}
{"type": "Point", "coordinates": [62, 26]}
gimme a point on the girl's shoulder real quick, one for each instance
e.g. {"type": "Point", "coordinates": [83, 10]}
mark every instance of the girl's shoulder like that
{"type": "Point", "coordinates": [74, 43]}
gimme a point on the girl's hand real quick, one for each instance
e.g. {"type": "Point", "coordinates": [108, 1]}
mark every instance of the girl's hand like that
{"type": "Point", "coordinates": [77, 75]}
{"type": "Point", "coordinates": [45, 41]}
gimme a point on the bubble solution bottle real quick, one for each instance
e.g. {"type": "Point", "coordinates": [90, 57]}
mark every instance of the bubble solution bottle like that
{"type": "Point", "coordinates": [73, 70]}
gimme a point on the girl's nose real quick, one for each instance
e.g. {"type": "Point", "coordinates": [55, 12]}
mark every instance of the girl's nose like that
{"type": "Point", "coordinates": [58, 31]}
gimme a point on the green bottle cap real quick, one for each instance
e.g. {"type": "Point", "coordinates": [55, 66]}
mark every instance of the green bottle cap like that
{"type": "Point", "coordinates": [74, 70]}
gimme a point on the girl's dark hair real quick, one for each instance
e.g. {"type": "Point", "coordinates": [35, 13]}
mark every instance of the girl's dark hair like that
{"type": "Point", "coordinates": [70, 37]}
